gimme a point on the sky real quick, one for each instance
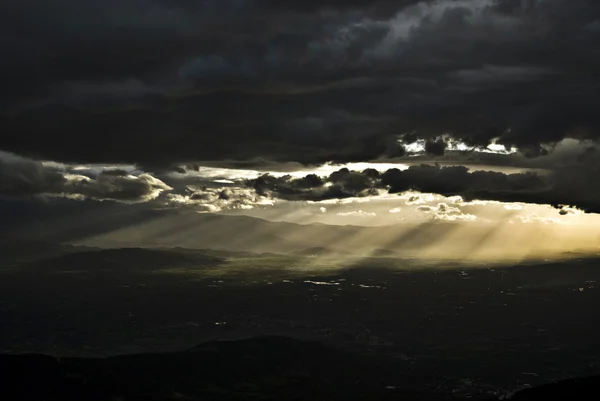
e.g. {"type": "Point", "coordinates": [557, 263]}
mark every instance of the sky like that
{"type": "Point", "coordinates": [340, 112]}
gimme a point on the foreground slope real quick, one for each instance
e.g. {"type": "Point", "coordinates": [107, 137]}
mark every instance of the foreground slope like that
{"type": "Point", "coordinates": [265, 368]}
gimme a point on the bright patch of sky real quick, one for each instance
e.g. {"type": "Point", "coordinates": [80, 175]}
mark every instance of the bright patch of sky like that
{"type": "Point", "coordinates": [92, 170]}
{"type": "Point", "coordinates": [230, 175]}
{"type": "Point", "coordinates": [418, 147]}
{"type": "Point", "coordinates": [414, 208]}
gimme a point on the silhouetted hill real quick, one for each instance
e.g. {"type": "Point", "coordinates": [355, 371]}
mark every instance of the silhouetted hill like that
{"type": "Point", "coordinates": [318, 251]}
{"type": "Point", "coordinates": [249, 234]}
{"type": "Point", "coordinates": [577, 389]}
{"type": "Point", "coordinates": [126, 258]}
{"type": "Point", "coordinates": [210, 252]}
{"type": "Point", "coordinates": [18, 251]}
{"type": "Point", "coordinates": [13, 250]}
{"type": "Point", "coordinates": [383, 253]}
{"type": "Point", "coordinates": [267, 368]}
{"type": "Point", "coordinates": [188, 229]}
{"type": "Point", "coordinates": [203, 231]}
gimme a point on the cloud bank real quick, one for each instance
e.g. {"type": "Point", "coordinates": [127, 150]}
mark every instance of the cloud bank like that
{"type": "Point", "coordinates": [162, 82]}
{"type": "Point", "coordinates": [22, 177]}
{"type": "Point", "coordinates": [561, 188]}
{"type": "Point", "coordinates": [165, 85]}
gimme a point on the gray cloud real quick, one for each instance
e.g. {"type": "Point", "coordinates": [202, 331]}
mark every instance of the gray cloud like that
{"type": "Point", "coordinates": [561, 188]}
{"type": "Point", "coordinates": [436, 147]}
{"type": "Point", "coordinates": [218, 199]}
{"type": "Point", "coordinates": [168, 83]}
{"type": "Point", "coordinates": [520, 71]}
{"type": "Point", "coordinates": [21, 177]}
{"type": "Point", "coordinates": [340, 184]}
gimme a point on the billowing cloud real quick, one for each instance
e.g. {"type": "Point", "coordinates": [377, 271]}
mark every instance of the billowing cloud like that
{"type": "Point", "coordinates": [563, 186]}
{"type": "Point", "coordinates": [22, 177]}
{"type": "Point", "coordinates": [446, 212]}
{"type": "Point", "coordinates": [340, 184]}
{"type": "Point", "coordinates": [219, 199]}
{"type": "Point", "coordinates": [567, 210]}
{"type": "Point", "coordinates": [169, 85]}
{"type": "Point", "coordinates": [535, 219]}
{"type": "Point", "coordinates": [436, 147]}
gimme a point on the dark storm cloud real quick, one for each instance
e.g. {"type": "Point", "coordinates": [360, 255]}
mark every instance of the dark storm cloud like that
{"type": "Point", "coordinates": [379, 7]}
{"type": "Point", "coordinates": [21, 177]}
{"type": "Point", "coordinates": [169, 83]}
{"type": "Point", "coordinates": [460, 181]}
{"type": "Point", "coordinates": [562, 188]}
{"type": "Point", "coordinates": [436, 147]}
{"type": "Point", "coordinates": [340, 184]}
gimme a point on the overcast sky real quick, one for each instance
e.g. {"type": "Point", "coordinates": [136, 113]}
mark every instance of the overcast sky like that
{"type": "Point", "coordinates": [187, 103]}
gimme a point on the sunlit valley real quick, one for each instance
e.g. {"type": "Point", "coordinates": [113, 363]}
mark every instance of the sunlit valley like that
{"type": "Point", "coordinates": [162, 280]}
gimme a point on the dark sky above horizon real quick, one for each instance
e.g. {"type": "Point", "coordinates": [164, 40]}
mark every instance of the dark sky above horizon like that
{"type": "Point", "coordinates": [187, 102]}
